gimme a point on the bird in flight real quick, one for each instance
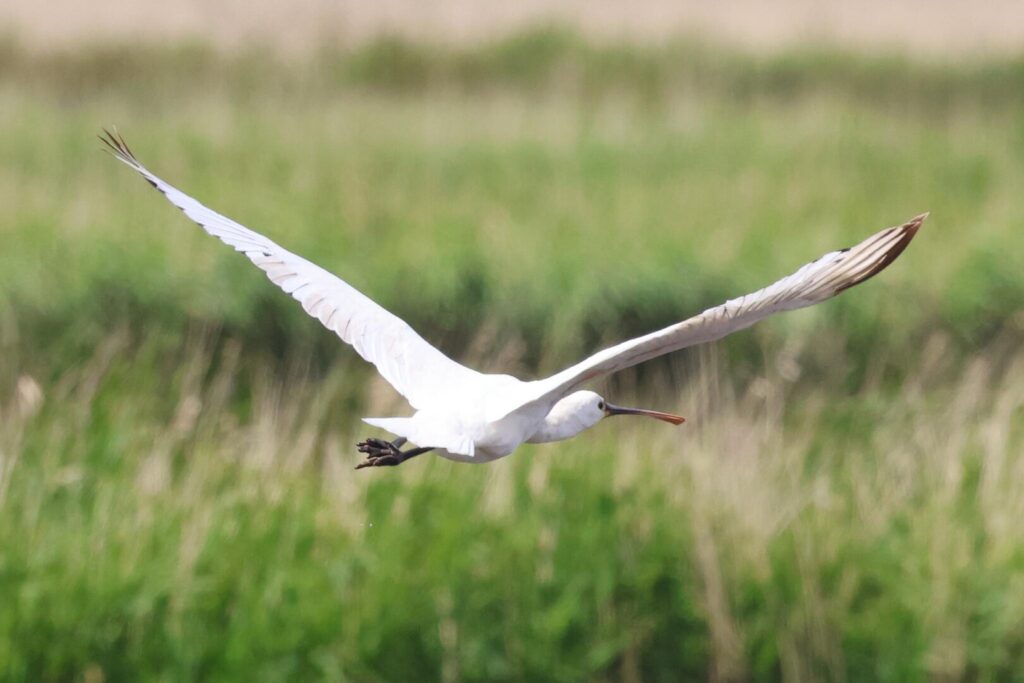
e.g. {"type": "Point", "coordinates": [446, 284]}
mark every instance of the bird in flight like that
{"type": "Point", "coordinates": [469, 416]}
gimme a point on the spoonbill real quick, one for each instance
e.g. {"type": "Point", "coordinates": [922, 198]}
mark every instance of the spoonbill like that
{"type": "Point", "coordinates": [469, 416]}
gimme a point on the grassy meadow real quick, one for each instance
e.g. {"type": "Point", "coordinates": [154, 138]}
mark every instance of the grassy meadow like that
{"type": "Point", "coordinates": [177, 494]}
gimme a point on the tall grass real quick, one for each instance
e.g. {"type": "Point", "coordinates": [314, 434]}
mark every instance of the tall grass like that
{"type": "Point", "coordinates": [177, 499]}
{"type": "Point", "coordinates": [840, 537]}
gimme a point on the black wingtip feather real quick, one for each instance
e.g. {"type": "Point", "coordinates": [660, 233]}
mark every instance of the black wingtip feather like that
{"type": "Point", "coordinates": [907, 232]}
{"type": "Point", "coordinates": [117, 146]}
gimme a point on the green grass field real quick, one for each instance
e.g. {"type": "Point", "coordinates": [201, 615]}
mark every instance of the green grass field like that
{"type": "Point", "coordinates": [177, 498]}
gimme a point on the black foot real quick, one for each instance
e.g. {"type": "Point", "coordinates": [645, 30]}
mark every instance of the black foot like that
{"type": "Point", "coordinates": [381, 453]}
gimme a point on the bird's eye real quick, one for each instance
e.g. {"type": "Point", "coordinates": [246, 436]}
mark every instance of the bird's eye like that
{"type": "Point", "coordinates": [600, 405]}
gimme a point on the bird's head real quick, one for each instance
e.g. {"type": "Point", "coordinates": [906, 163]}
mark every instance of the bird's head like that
{"type": "Point", "coordinates": [590, 408]}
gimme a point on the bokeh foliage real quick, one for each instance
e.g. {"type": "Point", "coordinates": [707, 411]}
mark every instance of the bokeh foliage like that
{"type": "Point", "coordinates": [176, 493]}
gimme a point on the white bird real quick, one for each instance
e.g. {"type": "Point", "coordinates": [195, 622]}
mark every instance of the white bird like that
{"type": "Point", "coordinates": [468, 416]}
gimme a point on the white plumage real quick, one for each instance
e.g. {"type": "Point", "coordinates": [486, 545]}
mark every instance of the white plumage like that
{"type": "Point", "coordinates": [474, 417]}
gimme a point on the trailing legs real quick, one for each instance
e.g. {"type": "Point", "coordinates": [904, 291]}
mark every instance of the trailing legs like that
{"type": "Point", "coordinates": [381, 453]}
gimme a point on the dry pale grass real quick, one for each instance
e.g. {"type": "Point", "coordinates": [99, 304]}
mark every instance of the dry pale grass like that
{"type": "Point", "coordinates": [945, 461]}
{"type": "Point", "coordinates": [773, 498]}
{"type": "Point", "coordinates": [922, 26]}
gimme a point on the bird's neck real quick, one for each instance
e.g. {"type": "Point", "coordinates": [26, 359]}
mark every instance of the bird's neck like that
{"type": "Point", "coordinates": [558, 425]}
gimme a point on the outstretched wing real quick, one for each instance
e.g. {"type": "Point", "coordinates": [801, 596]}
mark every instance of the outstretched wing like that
{"type": "Point", "coordinates": [414, 367]}
{"type": "Point", "coordinates": [816, 281]}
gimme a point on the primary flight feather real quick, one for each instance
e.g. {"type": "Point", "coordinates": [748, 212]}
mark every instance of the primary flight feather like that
{"type": "Point", "coordinates": [470, 416]}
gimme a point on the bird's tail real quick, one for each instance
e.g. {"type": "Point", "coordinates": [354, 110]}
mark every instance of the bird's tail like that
{"type": "Point", "coordinates": [399, 426]}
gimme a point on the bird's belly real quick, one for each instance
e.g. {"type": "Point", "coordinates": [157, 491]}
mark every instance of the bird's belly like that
{"type": "Point", "coordinates": [498, 439]}
{"type": "Point", "coordinates": [480, 456]}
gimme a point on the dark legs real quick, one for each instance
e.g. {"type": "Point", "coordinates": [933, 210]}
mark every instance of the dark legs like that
{"type": "Point", "coordinates": [381, 453]}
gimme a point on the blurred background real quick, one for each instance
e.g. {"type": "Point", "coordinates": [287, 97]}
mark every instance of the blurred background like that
{"type": "Point", "coordinates": [524, 183]}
